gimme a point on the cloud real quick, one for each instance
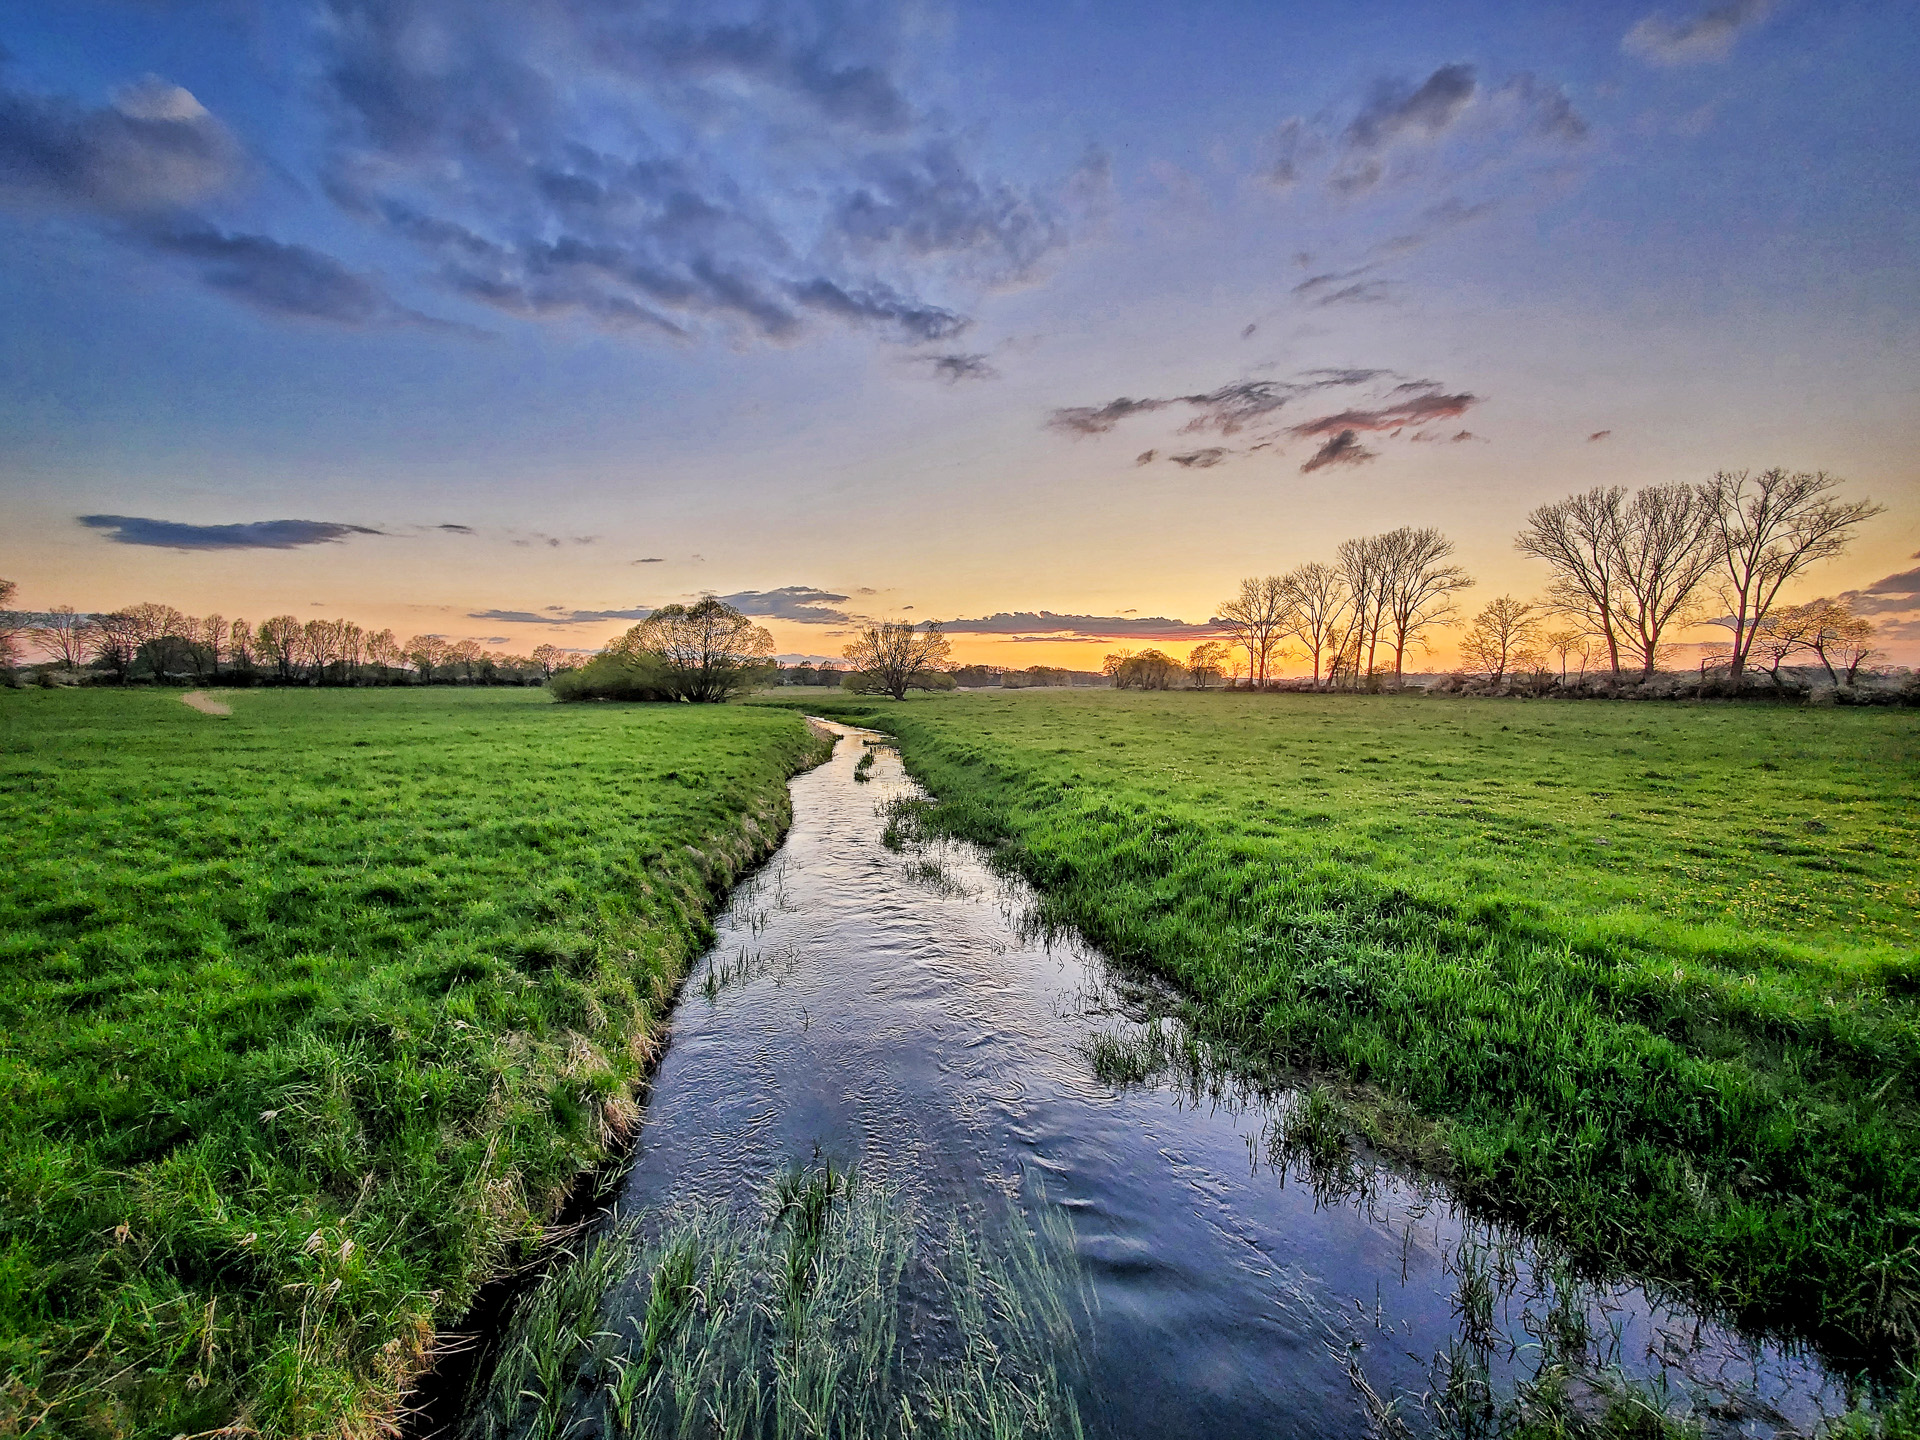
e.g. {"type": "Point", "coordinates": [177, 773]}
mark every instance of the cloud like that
{"type": "Point", "coordinates": [1092, 627]}
{"type": "Point", "coordinates": [1548, 110]}
{"type": "Point", "coordinates": [1343, 449]}
{"type": "Point", "coordinates": [1396, 109]}
{"type": "Point", "coordinates": [257, 535]}
{"type": "Point", "coordinates": [1709, 35]}
{"type": "Point", "coordinates": [1599, 435]}
{"type": "Point", "coordinates": [651, 560]}
{"type": "Point", "coordinates": [1200, 459]}
{"type": "Point", "coordinates": [1098, 420]}
{"type": "Point", "coordinates": [279, 278]}
{"type": "Point", "coordinates": [456, 529]}
{"type": "Point", "coordinates": [654, 169]}
{"type": "Point", "coordinates": [1423, 402]}
{"type": "Point", "coordinates": [154, 148]}
{"type": "Point", "coordinates": [954, 368]}
{"type": "Point", "coordinates": [558, 616]}
{"type": "Point", "coordinates": [1228, 410]}
{"type": "Point", "coordinates": [1145, 457]}
{"type": "Point", "coordinates": [800, 603]}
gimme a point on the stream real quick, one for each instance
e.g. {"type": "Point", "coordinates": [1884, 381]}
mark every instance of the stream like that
{"type": "Point", "coordinates": [893, 1008]}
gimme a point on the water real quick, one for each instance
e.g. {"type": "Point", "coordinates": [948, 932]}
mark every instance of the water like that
{"type": "Point", "coordinates": [890, 1008]}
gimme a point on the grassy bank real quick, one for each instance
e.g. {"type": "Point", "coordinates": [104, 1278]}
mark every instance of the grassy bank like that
{"type": "Point", "coordinates": [309, 1015]}
{"type": "Point", "coordinates": [1649, 971]}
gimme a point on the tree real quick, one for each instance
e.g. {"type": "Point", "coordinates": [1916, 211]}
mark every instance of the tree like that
{"type": "Point", "coordinates": [278, 642]}
{"type": "Point", "coordinates": [1206, 662]}
{"type": "Point", "coordinates": [426, 652]}
{"type": "Point", "coordinates": [383, 649]}
{"type": "Point", "coordinates": [1416, 587]}
{"type": "Point", "coordinates": [709, 650]}
{"type": "Point", "coordinates": [116, 643]}
{"type": "Point", "coordinates": [12, 625]}
{"type": "Point", "coordinates": [465, 654]}
{"type": "Point", "coordinates": [1504, 637]}
{"type": "Point", "coordinates": [1668, 544]}
{"type": "Point", "coordinates": [1317, 603]}
{"type": "Point", "coordinates": [546, 659]}
{"type": "Point", "coordinates": [1834, 632]}
{"type": "Point", "coordinates": [899, 657]}
{"type": "Point", "coordinates": [1256, 618]}
{"type": "Point", "coordinates": [1770, 528]}
{"type": "Point", "coordinates": [1365, 564]}
{"type": "Point", "coordinates": [1567, 643]}
{"type": "Point", "coordinates": [240, 645]}
{"type": "Point", "coordinates": [1149, 670]}
{"type": "Point", "coordinates": [1579, 539]}
{"type": "Point", "coordinates": [65, 635]}
{"type": "Point", "coordinates": [1781, 635]}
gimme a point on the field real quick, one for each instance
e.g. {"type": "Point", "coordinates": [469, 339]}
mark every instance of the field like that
{"type": "Point", "coordinates": [310, 1015]}
{"type": "Point", "coordinates": [1641, 976]}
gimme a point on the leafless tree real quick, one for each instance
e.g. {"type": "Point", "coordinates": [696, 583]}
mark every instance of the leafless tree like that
{"type": "Point", "coordinates": [1833, 632]}
{"type": "Point", "coordinates": [1770, 528]}
{"type": "Point", "coordinates": [1579, 538]}
{"type": "Point", "coordinates": [1570, 642]}
{"type": "Point", "coordinates": [116, 643]}
{"type": "Point", "coordinates": [1206, 662]}
{"type": "Point", "coordinates": [1504, 636]}
{"type": "Point", "coordinates": [709, 649]}
{"type": "Point", "coordinates": [1255, 617]}
{"type": "Point", "coordinates": [65, 635]}
{"type": "Point", "coordinates": [383, 649]}
{"type": "Point", "coordinates": [278, 642]}
{"type": "Point", "coordinates": [1366, 564]}
{"type": "Point", "coordinates": [12, 626]}
{"type": "Point", "coordinates": [1317, 601]}
{"type": "Point", "coordinates": [1668, 544]}
{"type": "Point", "coordinates": [1780, 635]}
{"type": "Point", "coordinates": [896, 657]}
{"type": "Point", "coordinates": [240, 645]}
{"type": "Point", "coordinates": [1417, 587]}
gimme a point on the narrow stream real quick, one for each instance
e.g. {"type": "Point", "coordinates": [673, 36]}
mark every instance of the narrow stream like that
{"type": "Point", "coordinates": [888, 1007]}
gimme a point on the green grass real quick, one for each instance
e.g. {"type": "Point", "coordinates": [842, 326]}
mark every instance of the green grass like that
{"type": "Point", "coordinates": [833, 1311]}
{"type": "Point", "coordinates": [1643, 974]}
{"type": "Point", "coordinates": [309, 1016]}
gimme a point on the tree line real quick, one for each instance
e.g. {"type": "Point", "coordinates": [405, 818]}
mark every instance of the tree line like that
{"type": "Point", "coordinates": [159, 643]}
{"type": "Point", "coordinates": [1627, 571]}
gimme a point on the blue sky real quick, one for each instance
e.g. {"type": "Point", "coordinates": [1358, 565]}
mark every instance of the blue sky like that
{"type": "Point", "coordinates": [797, 301]}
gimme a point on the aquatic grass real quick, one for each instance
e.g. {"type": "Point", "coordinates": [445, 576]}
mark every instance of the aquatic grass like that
{"type": "Point", "coordinates": [829, 1309]}
{"type": "Point", "coordinates": [1636, 999]}
{"type": "Point", "coordinates": [313, 1015]}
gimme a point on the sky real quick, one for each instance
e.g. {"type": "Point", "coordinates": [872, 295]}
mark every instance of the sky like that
{"type": "Point", "coordinates": [512, 319]}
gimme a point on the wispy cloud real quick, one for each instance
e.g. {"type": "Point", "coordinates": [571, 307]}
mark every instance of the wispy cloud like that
{"type": "Point", "coordinates": [255, 535]}
{"type": "Point", "coordinates": [1418, 403]}
{"type": "Point", "coordinates": [1045, 623]}
{"type": "Point", "coordinates": [1200, 459]}
{"type": "Point", "coordinates": [556, 615]}
{"type": "Point", "coordinates": [1706, 36]}
{"type": "Point", "coordinates": [958, 367]}
{"type": "Point", "coordinates": [1397, 108]}
{"type": "Point", "coordinates": [1342, 449]}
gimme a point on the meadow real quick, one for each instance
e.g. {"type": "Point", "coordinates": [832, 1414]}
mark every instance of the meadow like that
{"type": "Point", "coordinates": [311, 1015]}
{"type": "Point", "coordinates": [1641, 977]}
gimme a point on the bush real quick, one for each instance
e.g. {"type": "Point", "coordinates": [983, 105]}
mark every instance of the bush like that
{"type": "Point", "coordinates": [635, 675]}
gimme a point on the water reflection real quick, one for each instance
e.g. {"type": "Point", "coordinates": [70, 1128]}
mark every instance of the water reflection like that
{"type": "Point", "coordinates": [874, 998]}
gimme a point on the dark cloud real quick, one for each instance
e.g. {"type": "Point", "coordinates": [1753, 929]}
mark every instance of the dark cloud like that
{"type": "Point", "coordinates": [456, 529]}
{"type": "Point", "coordinates": [1708, 35]}
{"type": "Point", "coordinates": [649, 168]}
{"type": "Point", "coordinates": [278, 278]}
{"type": "Point", "coordinates": [1906, 583]}
{"type": "Point", "coordinates": [1397, 109]}
{"type": "Point", "coordinates": [1343, 449]}
{"type": "Point", "coordinates": [556, 616]}
{"type": "Point", "coordinates": [1145, 457]}
{"type": "Point", "coordinates": [1422, 403]}
{"type": "Point", "coordinates": [257, 535]}
{"type": "Point", "coordinates": [155, 148]}
{"type": "Point", "coordinates": [1093, 627]}
{"type": "Point", "coordinates": [954, 368]}
{"type": "Point", "coordinates": [802, 603]}
{"type": "Point", "coordinates": [1200, 459]}
{"type": "Point", "coordinates": [1599, 435]}
{"type": "Point", "coordinates": [1098, 420]}
{"type": "Point", "coordinates": [651, 560]}
{"type": "Point", "coordinates": [1549, 113]}
{"type": "Point", "coordinates": [1365, 292]}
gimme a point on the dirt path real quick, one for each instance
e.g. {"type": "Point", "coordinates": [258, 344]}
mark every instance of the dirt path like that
{"type": "Point", "coordinates": [205, 703]}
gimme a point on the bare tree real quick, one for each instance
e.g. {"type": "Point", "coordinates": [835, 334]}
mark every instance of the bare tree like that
{"type": "Point", "coordinates": [1365, 564]}
{"type": "Point", "coordinates": [1317, 601]}
{"type": "Point", "coordinates": [383, 649]}
{"type": "Point", "coordinates": [65, 635]}
{"type": "Point", "coordinates": [1256, 617]}
{"type": "Point", "coordinates": [897, 657]}
{"type": "Point", "coordinates": [1416, 587]}
{"type": "Point", "coordinates": [1570, 642]}
{"type": "Point", "coordinates": [1668, 544]}
{"type": "Point", "coordinates": [240, 645]}
{"type": "Point", "coordinates": [1771, 527]}
{"type": "Point", "coordinates": [710, 651]}
{"type": "Point", "coordinates": [1781, 635]}
{"type": "Point", "coordinates": [1505, 636]}
{"type": "Point", "coordinates": [278, 643]}
{"type": "Point", "coordinates": [1579, 538]}
{"type": "Point", "coordinates": [12, 626]}
{"type": "Point", "coordinates": [1834, 632]}
{"type": "Point", "coordinates": [116, 643]}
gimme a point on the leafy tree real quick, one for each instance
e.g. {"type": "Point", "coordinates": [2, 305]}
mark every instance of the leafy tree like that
{"type": "Point", "coordinates": [710, 651]}
{"type": "Point", "coordinates": [280, 643]}
{"type": "Point", "coordinates": [465, 654]}
{"type": "Point", "coordinates": [116, 643]}
{"type": "Point", "coordinates": [898, 657]}
{"type": "Point", "coordinates": [383, 649]}
{"type": "Point", "coordinates": [1771, 527]}
{"type": "Point", "coordinates": [1149, 670]}
{"type": "Point", "coordinates": [427, 652]}
{"type": "Point", "coordinates": [1567, 643]}
{"type": "Point", "coordinates": [546, 659]}
{"type": "Point", "coordinates": [1206, 662]}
